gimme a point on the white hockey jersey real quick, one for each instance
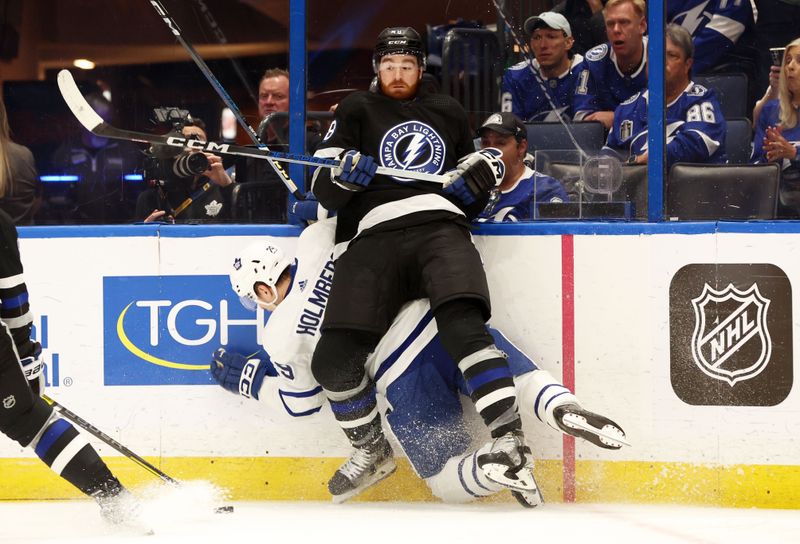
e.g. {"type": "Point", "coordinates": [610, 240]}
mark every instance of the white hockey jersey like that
{"type": "Point", "coordinates": [293, 329]}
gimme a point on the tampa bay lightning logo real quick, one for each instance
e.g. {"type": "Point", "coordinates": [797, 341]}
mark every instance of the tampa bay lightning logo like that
{"type": "Point", "coordinates": [413, 145]}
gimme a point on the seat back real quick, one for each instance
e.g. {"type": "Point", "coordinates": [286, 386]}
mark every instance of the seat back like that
{"type": "Point", "coordinates": [471, 70]}
{"type": "Point", "coordinates": [706, 192]}
{"type": "Point", "coordinates": [738, 140]}
{"type": "Point", "coordinates": [633, 188]}
{"type": "Point", "coordinates": [731, 89]}
{"type": "Point", "coordinates": [259, 202]}
{"type": "Point", "coordinates": [543, 136]}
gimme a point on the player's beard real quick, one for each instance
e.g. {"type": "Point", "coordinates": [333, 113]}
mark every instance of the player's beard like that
{"type": "Point", "coordinates": [400, 90]}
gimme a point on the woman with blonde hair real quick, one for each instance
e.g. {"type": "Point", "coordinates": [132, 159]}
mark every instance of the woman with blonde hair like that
{"type": "Point", "coordinates": [777, 132]}
{"type": "Point", "coordinates": [18, 178]}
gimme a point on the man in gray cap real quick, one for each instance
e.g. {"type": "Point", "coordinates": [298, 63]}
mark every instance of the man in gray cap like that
{"type": "Point", "coordinates": [542, 90]}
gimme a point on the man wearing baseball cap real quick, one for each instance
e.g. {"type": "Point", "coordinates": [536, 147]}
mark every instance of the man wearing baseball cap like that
{"type": "Point", "coordinates": [522, 186]}
{"type": "Point", "coordinates": [542, 90]}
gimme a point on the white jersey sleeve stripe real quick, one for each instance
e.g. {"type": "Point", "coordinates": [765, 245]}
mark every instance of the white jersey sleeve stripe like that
{"type": "Point", "coordinates": [729, 28]}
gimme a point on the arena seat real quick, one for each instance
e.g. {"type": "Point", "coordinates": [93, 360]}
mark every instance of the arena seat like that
{"type": "Point", "coordinates": [471, 70]}
{"type": "Point", "coordinates": [731, 89]}
{"type": "Point", "coordinates": [633, 188]}
{"type": "Point", "coordinates": [738, 140]}
{"type": "Point", "coordinates": [589, 135]}
{"type": "Point", "coordinates": [706, 192]}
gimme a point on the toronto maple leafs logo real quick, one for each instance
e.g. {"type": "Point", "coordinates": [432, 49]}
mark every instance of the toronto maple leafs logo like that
{"type": "Point", "coordinates": [415, 146]}
{"type": "Point", "coordinates": [213, 208]}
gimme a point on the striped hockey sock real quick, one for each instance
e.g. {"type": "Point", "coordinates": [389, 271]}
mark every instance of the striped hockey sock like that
{"type": "Point", "coordinates": [69, 454]}
{"type": "Point", "coordinates": [491, 387]}
{"type": "Point", "coordinates": [356, 411]}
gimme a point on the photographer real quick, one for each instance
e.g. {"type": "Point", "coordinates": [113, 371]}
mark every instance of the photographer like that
{"type": "Point", "coordinates": [184, 191]}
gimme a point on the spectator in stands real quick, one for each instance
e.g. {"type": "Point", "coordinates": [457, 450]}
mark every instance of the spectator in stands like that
{"type": "Point", "coordinates": [521, 186]}
{"type": "Point", "coordinates": [777, 136]}
{"type": "Point", "coordinates": [722, 32]}
{"type": "Point", "coordinates": [695, 125]}
{"type": "Point", "coordinates": [586, 20]}
{"type": "Point", "coordinates": [19, 183]}
{"type": "Point", "coordinates": [101, 195]}
{"type": "Point", "coordinates": [273, 96]}
{"type": "Point", "coordinates": [543, 91]}
{"type": "Point", "coordinates": [614, 71]}
{"type": "Point", "coordinates": [777, 24]}
{"type": "Point", "coordinates": [202, 198]}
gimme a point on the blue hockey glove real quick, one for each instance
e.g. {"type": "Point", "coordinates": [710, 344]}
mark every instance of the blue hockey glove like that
{"type": "Point", "coordinates": [355, 171]}
{"type": "Point", "coordinates": [238, 374]}
{"type": "Point", "coordinates": [33, 368]}
{"type": "Point", "coordinates": [475, 175]}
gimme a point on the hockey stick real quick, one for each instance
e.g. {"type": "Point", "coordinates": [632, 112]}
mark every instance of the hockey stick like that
{"type": "Point", "coordinates": [198, 60]}
{"type": "Point", "coordinates": [103, 437]}
{"type": "Point", "coordinates": [95, 124]}
{"type": "Point", "coordinates": [107, 440]}
{"type": "Point", "coordinates": [223, 40]}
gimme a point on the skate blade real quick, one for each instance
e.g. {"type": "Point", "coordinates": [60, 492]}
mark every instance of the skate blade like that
{"type": "Point", "coordinates": [523, 482]}
{"type": "Point", "coordinates": [529, 499]}
{"type": "Point", "coordinates": [385, 471]}
{"type": "Point", "coordinates": [610, 435]}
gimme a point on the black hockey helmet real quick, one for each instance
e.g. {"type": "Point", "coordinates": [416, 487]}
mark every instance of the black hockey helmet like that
{"type": "Point", "coordinates": [398, 40]}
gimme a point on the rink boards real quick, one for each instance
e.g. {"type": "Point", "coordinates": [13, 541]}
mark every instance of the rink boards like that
{"type": "Point", "coordinates": [683, 333]}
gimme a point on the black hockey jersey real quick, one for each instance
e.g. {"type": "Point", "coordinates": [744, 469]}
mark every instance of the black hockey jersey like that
{"type": "Point", "coordinates": [14, 312]}
{"type": "Point", "coordinates": [429, 134]}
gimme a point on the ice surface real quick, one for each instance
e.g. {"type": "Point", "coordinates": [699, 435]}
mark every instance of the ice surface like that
{"type": "Point", "coordinates": [187, 515]}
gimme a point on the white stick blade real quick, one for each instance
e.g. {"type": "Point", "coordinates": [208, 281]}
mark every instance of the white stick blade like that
{"type": "Point", "coordinates": [76, 102]}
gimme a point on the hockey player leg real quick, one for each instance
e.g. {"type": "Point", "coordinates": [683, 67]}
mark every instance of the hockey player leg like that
{"type": "Point", "coordinates": [32, 423]}
{"type": "Point", "coordinates": [491, 387]}
{"type": "Point", "coordinates": [338, 365]}
{"type": "Point", "coordinates": [543, 396]}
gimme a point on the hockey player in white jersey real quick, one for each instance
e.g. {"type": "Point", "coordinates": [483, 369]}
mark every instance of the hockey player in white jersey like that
{"type": "Point", "coordinates": [409, 368]}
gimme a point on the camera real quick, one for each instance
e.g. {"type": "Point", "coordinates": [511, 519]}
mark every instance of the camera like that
{"type": "Point", "coordinates": [164, 163]}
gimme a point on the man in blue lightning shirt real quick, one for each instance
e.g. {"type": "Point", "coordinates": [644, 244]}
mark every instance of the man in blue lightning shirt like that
{"type": "Point", "coordinates": [542, 90]}
{"type": "Point", "coordinates": [616, 70]}
{"type": "Point", "coordinates": [695, 125]}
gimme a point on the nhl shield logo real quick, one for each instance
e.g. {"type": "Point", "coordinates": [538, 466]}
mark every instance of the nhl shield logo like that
{"type": "Point", "coordinates": [731, 340]}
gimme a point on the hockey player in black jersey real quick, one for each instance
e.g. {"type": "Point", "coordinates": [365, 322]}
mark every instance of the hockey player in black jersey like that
{"type": "Point", "coordinates": [28, 419]}
{"type": "Point", "coordinates": [398, 240]}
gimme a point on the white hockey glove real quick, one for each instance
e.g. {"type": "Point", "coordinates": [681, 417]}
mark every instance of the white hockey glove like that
{"type": "Point", "coordinates": [475, 175]}
{"type": "Point", "coordinates": [355, 171]}
{"type": "Point", "coordinates": [33, 368]}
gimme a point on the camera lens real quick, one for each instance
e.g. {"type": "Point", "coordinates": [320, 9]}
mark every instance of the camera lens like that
{"type": "Point", "coordinates": [188, 165]}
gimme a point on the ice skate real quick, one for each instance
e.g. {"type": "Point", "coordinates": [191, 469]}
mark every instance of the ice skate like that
{"type": "Point", "coordinates": [367, 466]}
{"type": "Point", "coordinates": [597, 429]}
{"type": "Point", "coordinates": [509, 463]}
{"type": "Point", "coordinates": [120, 508]}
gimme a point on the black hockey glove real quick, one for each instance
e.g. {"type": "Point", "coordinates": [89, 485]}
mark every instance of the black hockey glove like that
{"type": "Point", "coordinates": [355, 171]}
{"type": "Point", "coordinates": [33, 367]}
{"type": "Point", "coordinates": [476, 175]}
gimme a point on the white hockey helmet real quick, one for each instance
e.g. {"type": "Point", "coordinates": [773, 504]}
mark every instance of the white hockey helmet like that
{"type": "Point", "coordinates": [261, 262]}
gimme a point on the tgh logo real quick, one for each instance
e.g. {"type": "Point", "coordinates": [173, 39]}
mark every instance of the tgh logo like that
{"type": "Point", "coordinates": [731, 342]}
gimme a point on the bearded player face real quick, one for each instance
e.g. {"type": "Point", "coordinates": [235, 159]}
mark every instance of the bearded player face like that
{"type": "Point", "coordinates": [399, 76]}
